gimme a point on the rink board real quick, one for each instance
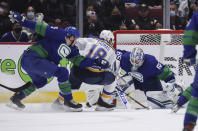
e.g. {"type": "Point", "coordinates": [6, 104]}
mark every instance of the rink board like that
{"type": "Point", "coordinates": [13, 75]}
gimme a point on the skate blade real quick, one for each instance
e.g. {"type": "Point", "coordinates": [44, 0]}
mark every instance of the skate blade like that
{"type": "Point", "coordinates": [100, 108]}
{"type": "Point", "coordinates": [10, 104]}
{"type": "Point", "coordinates": [69, 109]}
{"type": "Point", "coordinates": [57, 107]}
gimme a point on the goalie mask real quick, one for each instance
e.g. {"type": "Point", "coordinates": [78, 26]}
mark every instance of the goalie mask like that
{"type": "Point", "coordinates": [108, 36]}
{"type": "Point", "coordinates": [136, 58]}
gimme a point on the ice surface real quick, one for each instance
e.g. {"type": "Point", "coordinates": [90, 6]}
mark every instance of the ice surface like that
{"type": "Point", "coordinates": [40, 117]}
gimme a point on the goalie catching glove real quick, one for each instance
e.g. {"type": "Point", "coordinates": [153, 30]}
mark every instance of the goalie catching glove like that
{"type": "Point", "coordinates": [174, 90]}
{"type": "Point", "coordinates": [189, 58]}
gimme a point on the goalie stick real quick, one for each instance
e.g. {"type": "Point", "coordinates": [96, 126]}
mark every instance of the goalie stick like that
{"type": "Point", "coordinates": [26, 85]}
{"type": "Point", "coordinates": [122, 96]}
{"type": "Point", "coordinates": [117, 75]}
{"type": "Point", "coordinates": [133, 99]}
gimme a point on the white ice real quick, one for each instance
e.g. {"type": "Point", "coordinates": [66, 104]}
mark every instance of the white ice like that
{"type": "Point", "coordinates": [40, 117]}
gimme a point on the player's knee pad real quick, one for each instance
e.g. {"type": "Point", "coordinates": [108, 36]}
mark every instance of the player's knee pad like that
{"type": "Point", "coordinates": [158, 99]}
{"type": "Point", "coordinates": [110, 87]}
{"type": "Point", "coordinates": [109, 78]}
{"type": "Point", "coordinates": [62, 74]}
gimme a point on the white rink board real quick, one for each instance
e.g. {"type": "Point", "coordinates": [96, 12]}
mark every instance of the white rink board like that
{"type": "Point", "coordinates": [13, 53]}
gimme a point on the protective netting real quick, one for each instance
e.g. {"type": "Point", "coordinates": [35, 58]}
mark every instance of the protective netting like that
{"type": "Point", "coordinates": [148, 37]}
{"type": "Point", "coordinates": [165, 45]}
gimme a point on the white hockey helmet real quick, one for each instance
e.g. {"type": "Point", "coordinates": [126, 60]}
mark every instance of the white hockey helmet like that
{"type": "Point", "coordinates": [137, 58]}
{"type": "Point", "coordinates": [108, 36]}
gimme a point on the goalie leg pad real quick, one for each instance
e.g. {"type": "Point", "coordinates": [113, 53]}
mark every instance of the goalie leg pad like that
{"type": "Point", "coordinates": [158, 99]}
{"type": "Point", "coordinates": [92, 97]}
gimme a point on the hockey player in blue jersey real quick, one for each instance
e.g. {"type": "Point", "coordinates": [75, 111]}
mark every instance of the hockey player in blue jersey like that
{"type": "Point", "coordinates": [189, 57]}
{"type": "Point", "coordinates": [41, 60]}
{"type": "Point", "coordinates": [146, 73]}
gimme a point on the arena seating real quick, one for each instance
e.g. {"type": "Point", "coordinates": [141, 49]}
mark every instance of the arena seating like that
{"type": "Point", "coordinates": [155, 13]}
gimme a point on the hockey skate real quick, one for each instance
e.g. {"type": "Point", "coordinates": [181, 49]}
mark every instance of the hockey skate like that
{"type": "Point", "coordinates": [15, 102]}
{"type": "Point", "coordinates": [103, 106]}
{"type": "Point", "coordinates": [189, 127]}
{"type": "Point", "coordinates": [58, 105]}
{"type": "Point", "coordinates": [70, 105]}
{"type": "Point", "coordinates": [175, 108]}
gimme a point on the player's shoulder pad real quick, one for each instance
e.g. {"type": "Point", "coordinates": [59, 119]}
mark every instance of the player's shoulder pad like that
{"type": "Point", "coordinates": [153, 62]}
{"type": "Point", "coordinates": [150, 59]}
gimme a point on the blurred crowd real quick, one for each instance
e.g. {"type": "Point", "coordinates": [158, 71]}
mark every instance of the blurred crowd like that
{"type": "Point", "coordinates": [98, 15]}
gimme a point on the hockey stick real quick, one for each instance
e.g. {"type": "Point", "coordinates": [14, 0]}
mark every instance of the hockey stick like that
{"type": "Point", "coordinates": [133, 99]}
{"type": "Point", "coordinates": [18, 88]}
{"type": "Point", "coordinates": [117, 75]}
{"type": "Point", "coordinates": [122, 96]}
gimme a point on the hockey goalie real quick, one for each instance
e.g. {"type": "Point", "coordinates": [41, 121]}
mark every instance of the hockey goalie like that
{"type": "Point", "coordinates": [145, 73]}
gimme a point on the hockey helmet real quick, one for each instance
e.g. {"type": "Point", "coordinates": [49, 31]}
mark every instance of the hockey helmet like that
{"type": "Point", "coordinates": [72, 31]}
{"type": "Point", "coordinates": [107, 35]}
{"type": "Point", "coordinates": [137, 58]}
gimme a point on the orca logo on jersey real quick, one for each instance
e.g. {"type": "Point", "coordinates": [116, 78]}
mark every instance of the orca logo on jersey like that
{"type": "Point", "coordinates": [64, 50]}
{"type": "Point", "coordinates": [136, 75]}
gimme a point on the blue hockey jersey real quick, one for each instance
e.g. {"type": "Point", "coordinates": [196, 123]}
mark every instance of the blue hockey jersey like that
{"type": "Point", "coordinates": [53, 47]}
{"type": "Point", "coordinates": [148, 76]}
{"type": "Point", "coordinates": [190, 38]}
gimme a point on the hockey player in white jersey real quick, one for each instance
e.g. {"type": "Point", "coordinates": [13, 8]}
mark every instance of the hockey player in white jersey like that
{"type": "Point", "coordinates": [96, 48]}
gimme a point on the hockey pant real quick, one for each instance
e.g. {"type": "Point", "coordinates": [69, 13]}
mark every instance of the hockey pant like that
{"type": "Point", "coordinates": [40, 69]}
{"type": "Point", "coordinates": [79, 75]}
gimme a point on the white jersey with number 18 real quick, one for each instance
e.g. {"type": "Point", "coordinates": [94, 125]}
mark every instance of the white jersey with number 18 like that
{"type": "Point", "coordinates": [96, 48]}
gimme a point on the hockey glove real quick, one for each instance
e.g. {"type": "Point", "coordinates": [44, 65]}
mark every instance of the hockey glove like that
{"type": "Point", "coordinates": [190, 59]}
{"type": "Point", "coordinates": [174, 90]}
{"type": "Point", "coordinates": [104, 64]}
{"type": "Point", "coordinates": [16, 17]}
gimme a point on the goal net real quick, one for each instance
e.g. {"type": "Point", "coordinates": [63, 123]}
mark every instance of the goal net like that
{"type": "Point", "coordinates": [165, 45]}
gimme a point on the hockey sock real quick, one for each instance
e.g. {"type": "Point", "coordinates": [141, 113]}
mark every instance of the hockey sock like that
{"type": "Point", "coordinates": [27, 92]}
{"type": "Point", "coordinates": [192, 110]}
{"type": "Point", "coordinates": [185, 96]}
{"type": "Point", "coordinates": [65, 90]}
{"type": "Point", "coordinates": [63, 83]}
{"type": "Point", "coordinates": [106, 95]}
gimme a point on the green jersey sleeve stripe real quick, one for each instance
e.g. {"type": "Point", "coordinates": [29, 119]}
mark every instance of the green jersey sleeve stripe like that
{"type": "Point", "coordinates": [76, 60]}
{"type": "Point", "coordinates": [38, 27]}
{"type": "Point", "coordinates": [165, 74]}
{"type": "Point", "coordinates": [192, 106]}
{"type": "Point", "coordinates": [190, 37]}
{"type": "Point", "coordinates": [43, 29]}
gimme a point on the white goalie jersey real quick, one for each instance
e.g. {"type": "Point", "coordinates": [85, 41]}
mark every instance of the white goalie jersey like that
{"type": "Point", "coordinates": [97, 48]}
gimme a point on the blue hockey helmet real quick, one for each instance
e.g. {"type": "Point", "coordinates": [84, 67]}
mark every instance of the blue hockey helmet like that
{"type": "Point", "coordinates": [137, 58]}
{"type": "Point", "coordinates": [70, 30]}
